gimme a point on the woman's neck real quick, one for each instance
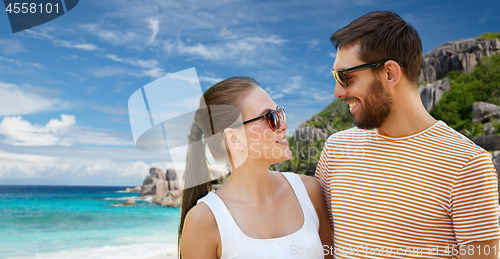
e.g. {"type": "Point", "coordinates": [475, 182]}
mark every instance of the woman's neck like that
{"type": "Point", "coordinates": [251, 182]}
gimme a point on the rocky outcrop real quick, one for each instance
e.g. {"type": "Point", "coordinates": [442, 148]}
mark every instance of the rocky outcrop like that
{"type": "Point", "coordinates": [155, 174]}
{"type": "Point", "coordinates": [127, 203]}
{"type": "Point", "coordinates": [430, 94]}
{"type": "Point", "coordinates": [163, 186]}
{"type": "Point", "coordinates": [482, 111]}
{"type": "Point", "coordinates": [496, 161]}
{"type": "Point", "coordinates": [310, 134]}
{"type": "Point", "coordinates": [168, 201]}
{"type": "Point", "coordinates": [171, 175]}
{"type": "Point", "coordinates": [461, 55]}
{"type": "Point", "coordinates": [490, 142]}
{"type": "Point", "coordinates": [156, 182]}
{"type": "Point", "coordinates": [134, 190]}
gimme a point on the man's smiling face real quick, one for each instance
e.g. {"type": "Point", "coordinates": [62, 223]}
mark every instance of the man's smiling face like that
{"type": "Point", "coordinates": [369, 102]}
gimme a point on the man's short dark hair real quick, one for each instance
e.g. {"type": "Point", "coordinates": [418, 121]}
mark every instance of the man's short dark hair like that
{"type": "Point", "coordinates": [383, 35]}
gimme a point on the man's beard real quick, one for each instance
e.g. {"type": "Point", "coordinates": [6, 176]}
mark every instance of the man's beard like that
{"type": "Point", "coordinates": [376, 107]}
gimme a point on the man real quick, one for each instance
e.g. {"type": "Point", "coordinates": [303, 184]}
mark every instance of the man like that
{"type": "Point", "coordinates": [401, 184]}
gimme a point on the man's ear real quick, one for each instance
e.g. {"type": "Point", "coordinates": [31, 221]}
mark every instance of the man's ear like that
{"type": "Point", "coordinates": [392, 73]}
{"type": "Point", "coordinates": [232, 139]}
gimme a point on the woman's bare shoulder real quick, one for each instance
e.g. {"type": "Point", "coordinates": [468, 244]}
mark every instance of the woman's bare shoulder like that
{"type": "Point", "coordinates": [200, 217]}
{"type": "Point", "coordinates": [313, 189]}
{"type": "Point", "coordinates": [200, 231]}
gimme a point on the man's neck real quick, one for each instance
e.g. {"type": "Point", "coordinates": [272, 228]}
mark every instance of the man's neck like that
{"type": "Point", "coordinates": [408, 116]}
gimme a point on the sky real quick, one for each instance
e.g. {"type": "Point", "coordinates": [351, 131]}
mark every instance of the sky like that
{"type": "Point", "coordinates": [65, 85]}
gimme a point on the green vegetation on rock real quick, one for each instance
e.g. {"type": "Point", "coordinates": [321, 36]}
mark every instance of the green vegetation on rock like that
{"type": "Point", "coordinates": [335, 117]}
{"type": "Point", "coordinates": [305, 154]}
{"type": "Point", "coordinates": [489, 35]}
{"type": "Point", "coordinates": [482, 84]}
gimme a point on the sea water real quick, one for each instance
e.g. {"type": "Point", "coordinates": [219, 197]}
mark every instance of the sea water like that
{"type": "Point", "coordinates": [74, 222]}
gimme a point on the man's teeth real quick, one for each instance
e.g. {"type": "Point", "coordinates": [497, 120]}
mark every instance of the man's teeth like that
{"type": "Point", "coordinates": [351, 105]}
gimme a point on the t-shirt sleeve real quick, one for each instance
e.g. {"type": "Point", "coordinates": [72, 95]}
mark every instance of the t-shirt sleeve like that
{"type": "Point", "coordinates": [474, 201]}
{"type": "Point", "coordinates": [323, 176]}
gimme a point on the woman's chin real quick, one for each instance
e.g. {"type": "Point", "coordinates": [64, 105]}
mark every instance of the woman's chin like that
{"type": "Point", "coordinates": [286, 155]}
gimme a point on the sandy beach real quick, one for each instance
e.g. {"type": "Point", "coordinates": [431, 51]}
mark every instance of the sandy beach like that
{"type": "Point", "coordinates": [163, 256]}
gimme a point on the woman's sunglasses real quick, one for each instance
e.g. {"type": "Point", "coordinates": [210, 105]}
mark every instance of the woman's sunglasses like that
{"type": "Point", "coordinates": [339, 75]}
{"type": "Point", "coordinates": [274, 118]}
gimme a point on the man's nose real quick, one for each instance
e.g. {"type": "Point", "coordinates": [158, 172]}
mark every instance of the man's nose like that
{"type": "Point", "coordinates": [339, 91]}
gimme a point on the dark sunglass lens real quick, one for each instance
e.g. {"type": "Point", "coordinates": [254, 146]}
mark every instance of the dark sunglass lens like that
{"type": "Point", "coordinates": [343, 81]}
{"type": "Point", "coordinates": [340, 78]}
{"type": "Point", "coordinates": [274, 121]}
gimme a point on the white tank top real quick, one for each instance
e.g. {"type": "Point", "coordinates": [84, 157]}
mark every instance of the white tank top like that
{"type": "Point", "coordinates": [305, 243]}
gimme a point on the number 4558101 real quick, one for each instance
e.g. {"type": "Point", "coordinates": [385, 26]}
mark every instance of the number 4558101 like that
{"type": "Point", "coordinates": [32, 8]}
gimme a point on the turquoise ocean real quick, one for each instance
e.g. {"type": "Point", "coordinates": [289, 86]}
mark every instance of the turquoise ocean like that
{"type": "Point", "coordinates": [74, 222]}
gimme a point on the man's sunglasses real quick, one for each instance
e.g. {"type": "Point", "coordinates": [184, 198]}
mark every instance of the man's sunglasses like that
{"type": "Point", "coordinates": [274, 118]}
{"type": "Point", "coordinates": [339, 75]}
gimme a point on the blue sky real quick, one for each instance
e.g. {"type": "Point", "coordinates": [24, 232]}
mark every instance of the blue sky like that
{"type": "Point", "coordinates": [64, 85]}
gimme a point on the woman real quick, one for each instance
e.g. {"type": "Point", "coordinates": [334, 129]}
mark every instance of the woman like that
{"type": "Point", "coordinates": [256, 213]}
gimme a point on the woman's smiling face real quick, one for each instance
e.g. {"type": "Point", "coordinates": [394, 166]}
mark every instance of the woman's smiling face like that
{"type": "Point", "coordinates": [262, 142]}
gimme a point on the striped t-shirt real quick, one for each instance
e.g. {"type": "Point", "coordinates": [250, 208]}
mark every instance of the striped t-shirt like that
{"type": "Point", "coordinates": [412, 196]}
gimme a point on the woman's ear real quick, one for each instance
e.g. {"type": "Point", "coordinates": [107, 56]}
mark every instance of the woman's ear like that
{"type": "Point", "coordinates": [392, 73]}
{"type": "Point", "coordinates": [232, 139]}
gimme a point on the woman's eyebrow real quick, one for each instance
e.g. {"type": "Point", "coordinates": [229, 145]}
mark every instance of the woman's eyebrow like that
{"type": "Point", "coordinates": [265, 111]}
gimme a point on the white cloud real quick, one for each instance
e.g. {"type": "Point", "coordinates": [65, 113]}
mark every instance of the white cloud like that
{"type": "Point", "coordinates": [200, 50]}
{"type": "Point", "coordinates": [332, 54]}
{"type": "Point", "coordinates": [226, 34]}
{"type": "Point", "coordinates": [66, 121]}
{"type": "Point", "coordinates": [20, 63]}
{"type": "Point", "coordinates": [110, 109]}
{"type": "Point", "coordinates": [22, 166]}
{"type": "Point", "coordinates": [112, 36]}
{"type": "Point", "coordinates": [155, 72]}
{"type": "Point", "coordinates": [44, 34]}
{"type": "Point", "coordinates": [244, 50]}
{"type": "Point", "coordinates": [11, 46]}
{"type": "Point", "coordinates": [273, 39]}
{"type": "Point", "coordinates": [295, 83]}
{"type": "Point", "coordinates": [152, 67]}
{"type": "Point", "coordinates": [16, 101]}
{"type": "Point", "coordinates": [154, 25]}
{"type": "Point", "coordinates": [210, 80]}
{"type": "Point", "coordinates": [277, 96]}
{"type": "Point", "coordinates": [313, 43]}
{"type": "Point", "coordinates": [39, 33]}
{"type": "Point", "coordinates": [19, 132]}
{"type": "Point", "coordinates": [80, 46]}
{"type": "Point", "coordinates": [107, 71]}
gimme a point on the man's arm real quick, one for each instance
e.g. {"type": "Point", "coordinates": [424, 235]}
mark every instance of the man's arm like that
{"type": "Point", "coordinates": [480, 250]}
{"type": "Point", "coordinates": [323, 178]}
{"type": "Point", "coordinates": [475, 210]}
